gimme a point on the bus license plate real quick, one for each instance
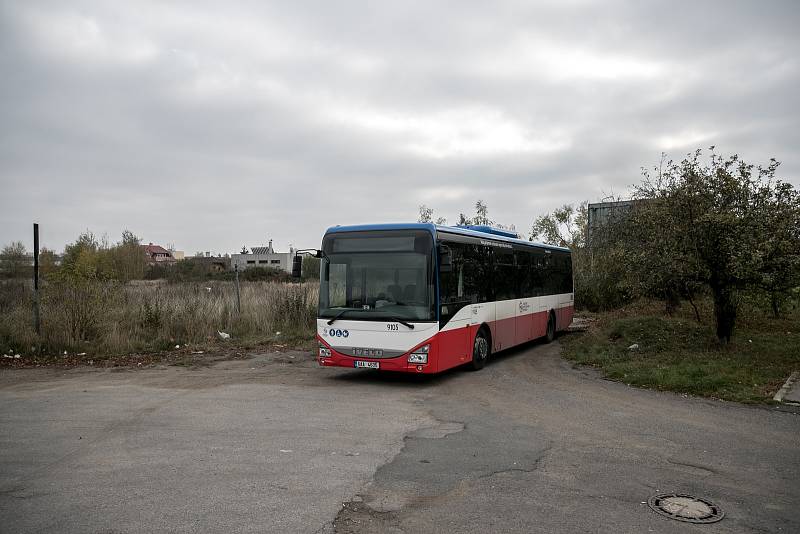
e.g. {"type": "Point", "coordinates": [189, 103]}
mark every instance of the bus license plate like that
{"type": "Point", "coordinates": [368, 365]}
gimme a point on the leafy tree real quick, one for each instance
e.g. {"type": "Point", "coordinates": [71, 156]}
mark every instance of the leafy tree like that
{"type": "Point", "coordinates": [89, 258]}
{"type": "Point", "coordinates": [81, 258]}
{"type": "Point", "coordinates": [724, 225]}
{"type": "Point", "coordinates": [781, 268]}
{"type": "Point", "coordinates": [564, 227]}
{"type": "Point", "coordinates": [599, 274]}
{"type": "Point", "coordinates": [425, 214]}
{"type": "Point", "coordinates": [47, 262]}
{"type": "Point", "coordinates": [14, 260]}
{"type": "Point", "coordinates": [127, 258]}
{"type": "Point", "coordinates": [481, 214]}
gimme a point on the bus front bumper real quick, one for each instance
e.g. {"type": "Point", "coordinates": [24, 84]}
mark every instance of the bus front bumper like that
{"type": "Point", "coordinates": [399, 364]}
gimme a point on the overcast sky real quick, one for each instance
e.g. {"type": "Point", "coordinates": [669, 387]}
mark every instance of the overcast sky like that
{"type": "Point", "coordinates": [217, 125]}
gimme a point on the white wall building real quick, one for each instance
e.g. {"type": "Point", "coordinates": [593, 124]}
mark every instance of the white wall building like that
{"type": "Point", "coordinates": [263, 257]}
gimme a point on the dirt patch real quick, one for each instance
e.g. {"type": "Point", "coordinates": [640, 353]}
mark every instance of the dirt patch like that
{"type": "Point", "coordinates": [180, 371]}
{"type": "Point", "coordinates": [356, 517]}
{"type": "Point", "coordinates": [185, 357]}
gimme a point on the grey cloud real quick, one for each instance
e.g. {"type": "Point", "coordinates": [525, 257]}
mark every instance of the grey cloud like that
{"type": "Point", "coordinates": [213, 126]}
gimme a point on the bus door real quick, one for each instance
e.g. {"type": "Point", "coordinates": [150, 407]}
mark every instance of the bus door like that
{"type": "Point", "coordinates": [455, 311]}
{"type": "Point", "coordinates": [505, 285]}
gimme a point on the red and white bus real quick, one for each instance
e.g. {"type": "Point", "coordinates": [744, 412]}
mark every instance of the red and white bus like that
{"type": "Point", "coordinates": [424, 298]}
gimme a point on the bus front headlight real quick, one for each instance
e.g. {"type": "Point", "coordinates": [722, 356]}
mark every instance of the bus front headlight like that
{"type": "Point", "coordinates": [419, 355]}
{"type": "Point", "coordinates": [324, 352]}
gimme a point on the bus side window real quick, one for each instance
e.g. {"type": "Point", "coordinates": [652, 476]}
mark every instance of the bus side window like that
{"type": "Point", "coordinates": [454, 286]}
{"type": "Point", "coordinates": [537, 274]}
{"type": "Point", "coordinates": [505, 274]}
{"type": "Point", "coordinates": [524, 278]}
{"type": "Point", "coordinates": [460, 283]}
{"type": "Point", "coordinates": [568, 279]}
{"type": "Point", "coordinates": [552, 281]}
{"type": "Point", "coordinates": [478, 274]}
{"type": "Point", "coordinates": [565, 264]}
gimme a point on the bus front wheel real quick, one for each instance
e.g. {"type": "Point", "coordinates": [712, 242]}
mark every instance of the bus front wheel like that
{"type": "Point", "coordinates": [480, 351]}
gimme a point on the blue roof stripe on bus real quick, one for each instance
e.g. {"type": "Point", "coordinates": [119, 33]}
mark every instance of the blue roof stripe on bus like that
{"type": "Point", "coordinates": [484, 235]}
{"type": "Point", "coordinates": [434, 228]}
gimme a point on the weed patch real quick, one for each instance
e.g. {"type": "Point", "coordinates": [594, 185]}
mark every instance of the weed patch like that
{"type": "Point", "coordinates": [678, 354]}
{"type": "Point", "coordinates": [101, 319]}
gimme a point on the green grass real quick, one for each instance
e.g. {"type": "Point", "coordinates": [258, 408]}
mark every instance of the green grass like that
{"type": "Point", "coordinates": [678, 354]}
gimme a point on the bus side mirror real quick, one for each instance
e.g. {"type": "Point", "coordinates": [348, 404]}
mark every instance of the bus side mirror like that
{"type": "Point", "coordinates": [297, 266]}
{"type": "Point", "coordinates": [445, 260]}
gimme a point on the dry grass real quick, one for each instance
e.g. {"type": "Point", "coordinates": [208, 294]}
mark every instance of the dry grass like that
{"type": "Point", "coordinates": [110, 319]}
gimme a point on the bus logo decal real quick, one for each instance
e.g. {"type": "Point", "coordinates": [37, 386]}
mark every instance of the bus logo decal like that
{"type": "Point", "coordinates": [335, 332]}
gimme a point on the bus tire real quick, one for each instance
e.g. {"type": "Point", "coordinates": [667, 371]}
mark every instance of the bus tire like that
{"type": "Point", "coordinates": [551, 327]}
{"type": "Point", "coordinates": [480, 351]}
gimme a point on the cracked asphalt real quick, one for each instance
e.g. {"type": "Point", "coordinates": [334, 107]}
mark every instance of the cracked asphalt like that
{"type": "Point", "coordinates": [275, 444]}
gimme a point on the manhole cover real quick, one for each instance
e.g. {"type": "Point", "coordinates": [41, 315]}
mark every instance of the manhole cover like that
{"type": "Point", "coordinates": [687, 508]}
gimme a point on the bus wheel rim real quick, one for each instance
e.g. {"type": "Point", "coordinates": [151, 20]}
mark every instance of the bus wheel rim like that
{"type": "Point", "coordinates": [481, 347]}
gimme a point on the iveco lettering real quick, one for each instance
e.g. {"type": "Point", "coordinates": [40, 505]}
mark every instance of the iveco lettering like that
{"type": "Point", "coordinates": [424, 298]}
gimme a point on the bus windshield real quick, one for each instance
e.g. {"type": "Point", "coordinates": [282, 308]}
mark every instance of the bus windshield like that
{"type": "Point", "coordinates": [377, 275]}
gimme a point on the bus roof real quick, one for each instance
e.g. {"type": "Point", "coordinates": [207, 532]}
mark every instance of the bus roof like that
{"type": "Point", "coordinates": [436, 228]}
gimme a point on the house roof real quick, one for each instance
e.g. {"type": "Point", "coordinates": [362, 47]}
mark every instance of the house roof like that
{"type": "Point", "coordinates": [156, 249]}
{"type": "Point", "coordinates": [262, 250]}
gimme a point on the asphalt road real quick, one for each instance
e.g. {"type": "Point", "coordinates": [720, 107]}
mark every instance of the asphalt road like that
{"type": "Point", "coordinates": [275, 444]}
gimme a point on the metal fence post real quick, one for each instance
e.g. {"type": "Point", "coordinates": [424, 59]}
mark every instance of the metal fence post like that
{"type": "Point", "coordinates": [238, 298]}
{"type": "Point", "coordinates": [36, 318]}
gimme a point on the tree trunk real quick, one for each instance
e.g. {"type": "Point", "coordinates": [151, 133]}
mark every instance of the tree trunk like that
{"type": "Point", "coordinates": [724, 312]}
{"type": "Point", "coordinates": [672, 300]}
{"type": "Point", "coordinates": [776, 310]}
{"type": "Point", "coordinates": [694, 306]}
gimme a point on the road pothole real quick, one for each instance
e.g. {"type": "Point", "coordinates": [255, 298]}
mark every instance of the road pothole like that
{"type": "Point", "coordinates": [687, 508]}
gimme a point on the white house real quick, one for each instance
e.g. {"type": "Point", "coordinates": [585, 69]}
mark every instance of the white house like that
{"type": "Point", "coordinates": [263, 257]}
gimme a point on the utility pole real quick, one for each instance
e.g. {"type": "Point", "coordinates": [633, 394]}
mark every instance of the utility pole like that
{"type": "Point", "coordinates": [238, 299]}
{"type": "Point", "coordinates": [36, 320]}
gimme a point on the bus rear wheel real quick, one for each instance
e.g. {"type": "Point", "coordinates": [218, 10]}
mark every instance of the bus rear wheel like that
{"type": "Point", "coordinates": [551, 327]}
{"type": "Point", "coordinates": [480, 351]}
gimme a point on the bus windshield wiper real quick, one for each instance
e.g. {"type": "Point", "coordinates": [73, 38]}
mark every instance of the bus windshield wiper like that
{"type": "Point", "coordinates": [338, 315]}
{"type": "Point", "coordinates": [390, 318]}
{"type": "Point", "coordinates": [402, 322]}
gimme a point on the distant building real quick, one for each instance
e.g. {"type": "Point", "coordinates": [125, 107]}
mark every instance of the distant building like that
{"type": "Point", "coordinates": [263, 257]}
{"type": "Point", "coordinates": [158, 255]}
{"type": "Point", "coordinates": [177, 254]}
{"type": "Point", "coordinates": [603, 215]}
